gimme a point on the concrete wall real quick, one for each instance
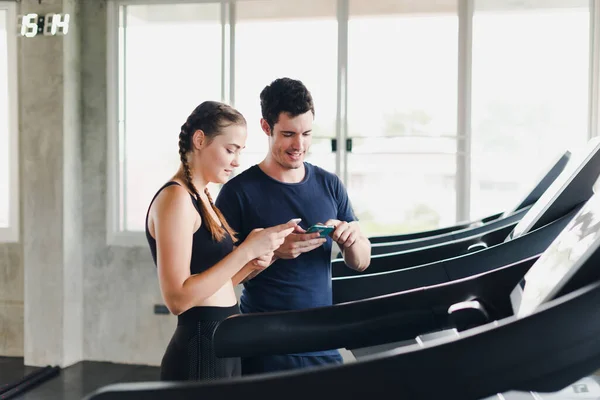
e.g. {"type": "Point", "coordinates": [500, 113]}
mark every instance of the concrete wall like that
{"type": "Point", "coordinates": [120, 283]}
{"type": "Point", "coordinates": [11, 299]}
{"type": "Point", "coordinates": [50, 161]}
{"type": "Point", "coordinates": [65, 295]}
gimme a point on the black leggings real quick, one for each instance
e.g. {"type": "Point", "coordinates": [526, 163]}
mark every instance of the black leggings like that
{"type": "Point", "coordinates": [190, 354]}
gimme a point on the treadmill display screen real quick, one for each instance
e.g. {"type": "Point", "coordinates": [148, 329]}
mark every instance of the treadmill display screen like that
{"type": "Point", "coordinates": [541, 206]}
{"type": "Point", "coordinates": [550, 170]}
{"type": "Point", "coordinates": [561, 260]}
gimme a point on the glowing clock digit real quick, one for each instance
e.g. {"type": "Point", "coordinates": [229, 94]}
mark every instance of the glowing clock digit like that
{"type": "Point", "coordinates": [62, 25]}
{"type": "Point", "coordinates": [56, 24]}
{"type": "Point", "coordinates": [29, 26]}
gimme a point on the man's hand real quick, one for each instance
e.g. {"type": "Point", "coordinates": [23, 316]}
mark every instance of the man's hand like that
{"type": "Point", "coordinates": [298, 242]}
{"type": "Point", "coordinates": [356, 247]}
{"type": "Point", "coordinates": [345, 233]}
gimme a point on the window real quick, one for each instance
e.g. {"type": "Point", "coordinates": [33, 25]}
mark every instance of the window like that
{"type": "Point", "coordinates": [9, 188]}
{"type": "Point", "coordinates": [530, 91]}
{"type": "Point", "coordinates": [438, 106]}
{"type": "Point", "coordinates": [402, 114]}
{"type": "Point", "coordinates": [169, 57]}
{"type": "Point", "coordinates": [278, 38]}
{"type": "Point", "coordinates": [169, 61]}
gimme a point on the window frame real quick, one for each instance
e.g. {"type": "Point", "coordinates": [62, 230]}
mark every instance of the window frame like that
{"type": "Point", "coordinates": [11, 234]}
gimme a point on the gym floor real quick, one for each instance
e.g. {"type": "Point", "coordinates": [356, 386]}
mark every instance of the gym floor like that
{"type": "Point", "coordinates": [76, 381]}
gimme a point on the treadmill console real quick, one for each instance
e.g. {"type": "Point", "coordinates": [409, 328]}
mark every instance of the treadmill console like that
{"type": "Point", "coordinates": [562, 261]}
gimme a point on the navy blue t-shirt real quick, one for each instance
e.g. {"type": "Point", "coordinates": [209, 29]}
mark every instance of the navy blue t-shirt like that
{"type": "Point", "coordinates": [255, 200]}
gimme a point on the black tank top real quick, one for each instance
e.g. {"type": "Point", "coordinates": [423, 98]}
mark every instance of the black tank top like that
{"type": "Point", "coordinates": [205, 251]}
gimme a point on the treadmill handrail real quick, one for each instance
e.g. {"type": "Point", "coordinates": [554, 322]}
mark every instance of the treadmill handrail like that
{"type": "Point", "coordinates": [464, 233]}
{"type": "Point", "coordinates": [370, 285]}
{"type": "Point", "coordinates": [398, 257]}
{"type": "Point", "coordinates": [384, 319]}
{"type": "Point", "coordinates": [544, 352]}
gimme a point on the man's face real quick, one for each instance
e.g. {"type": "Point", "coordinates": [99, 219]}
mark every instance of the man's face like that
{"type": "Point", "coordinates": [290, 139]}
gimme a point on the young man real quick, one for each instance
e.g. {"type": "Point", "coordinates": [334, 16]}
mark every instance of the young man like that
{"type": "Point", "coordinates": [283, 187]}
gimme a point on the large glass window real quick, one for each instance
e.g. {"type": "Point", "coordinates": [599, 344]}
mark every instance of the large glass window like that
{"type": "Point", "coordinates": [8, 125]}
{"type": "Point", "coordinates": [385, 81]}
{"type": "Point", "coordinates": [530, 94]}
{"type": "Point", "coordinates": [279, 38]}
{"type": "Point", "coordinates": [169, 62]}
{"type": "Point", "coordinates": [402, 90]}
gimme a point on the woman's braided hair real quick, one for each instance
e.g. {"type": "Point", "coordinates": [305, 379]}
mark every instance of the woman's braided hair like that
{"type": "Point", "coordinates": [209, 117]}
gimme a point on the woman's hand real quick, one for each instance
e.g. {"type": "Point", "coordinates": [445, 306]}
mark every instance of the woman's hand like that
{"type": "Point", "coordinates": [262, 241]}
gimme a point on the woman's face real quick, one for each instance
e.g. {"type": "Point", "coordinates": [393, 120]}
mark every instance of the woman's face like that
{"type": "Point", "coordinates": [220, 156]}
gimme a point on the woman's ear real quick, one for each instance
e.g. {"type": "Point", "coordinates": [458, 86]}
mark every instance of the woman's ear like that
{"type": "Point", "coordinates": [198, 139]}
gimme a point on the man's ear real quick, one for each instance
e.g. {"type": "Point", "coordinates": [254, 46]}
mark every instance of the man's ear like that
{"type": "Point", "coordinates": [265, 126]}
{"type": "Point", "coordinates": [198, 139]}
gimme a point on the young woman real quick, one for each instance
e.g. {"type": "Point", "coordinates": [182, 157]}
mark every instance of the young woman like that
{"type": "Point", "coordinates": [193, 246]}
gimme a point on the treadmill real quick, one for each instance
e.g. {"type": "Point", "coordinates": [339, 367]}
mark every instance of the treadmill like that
{"type": "Point", "coordinates": [529, 246]}
{"type": "Point", "coordinates": [554, 170]}
{"type": "Point", "coordinates": [546, 338]}
{"type": "Point", "coordinates": [498, 225]}
{"type": "Point", "coordinates": [571, 188]}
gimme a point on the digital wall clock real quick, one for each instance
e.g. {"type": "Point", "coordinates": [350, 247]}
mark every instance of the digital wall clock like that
{"type": "Point", "coordinates": [31, 25]}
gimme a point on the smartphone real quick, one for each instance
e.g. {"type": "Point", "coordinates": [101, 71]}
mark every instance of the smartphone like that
{"type": "Point", "coordinates": [324, 230]}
